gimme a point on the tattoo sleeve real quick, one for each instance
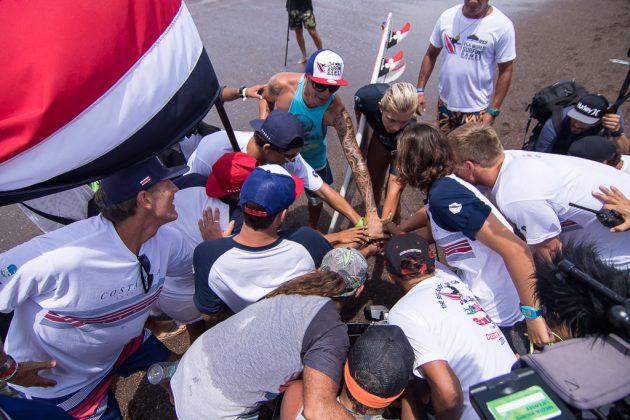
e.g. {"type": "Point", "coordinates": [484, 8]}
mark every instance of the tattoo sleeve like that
{"type": "Point", "coordinates": [345, 131]}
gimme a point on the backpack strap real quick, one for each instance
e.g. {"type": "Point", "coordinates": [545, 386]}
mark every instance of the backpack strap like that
{"type": "Point", "coordinates": [557, 119]}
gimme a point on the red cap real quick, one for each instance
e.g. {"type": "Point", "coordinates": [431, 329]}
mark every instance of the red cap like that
{"type": "Point", "coordinates": [229, 174]}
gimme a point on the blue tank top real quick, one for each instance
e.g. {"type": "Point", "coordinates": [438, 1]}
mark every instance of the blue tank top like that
{"type": "Point", "coordinates": [314, 150]}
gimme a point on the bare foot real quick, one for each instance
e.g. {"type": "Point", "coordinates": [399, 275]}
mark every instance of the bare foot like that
{"type": "Point", "coordinates": [302, 60]}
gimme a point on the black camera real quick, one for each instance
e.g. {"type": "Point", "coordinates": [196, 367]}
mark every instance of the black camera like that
{"type": "Point", "coordinates": [374, 314]}
{"type": "Point", "coordinates": [567, 378]}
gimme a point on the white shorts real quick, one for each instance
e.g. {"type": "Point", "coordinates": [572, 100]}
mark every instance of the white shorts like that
{"type": "Point", "coordinates": [180, 307]}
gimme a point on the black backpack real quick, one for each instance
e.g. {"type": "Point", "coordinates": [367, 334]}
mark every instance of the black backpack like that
{"type": "Point", "coordinates": [549, 102]}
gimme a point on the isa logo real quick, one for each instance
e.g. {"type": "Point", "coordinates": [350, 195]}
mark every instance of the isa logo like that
{"type": "Point", "coordinates": [9, 270]}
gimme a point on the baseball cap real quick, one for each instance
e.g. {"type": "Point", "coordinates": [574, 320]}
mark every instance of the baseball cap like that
{"type": "Point", "coordinates": [590, 109]}
{"type": "Point", "coordinates": [127, 183]}
{"type": "Point", "coordinates": [403, 246]}
{"type": "Point", "coordinates": [595, 148]}
{"type": "Point", "coordinates": [280, 129]}
{"type": "Point", "coordinates": [271, 187]}
{"type": "Point", "coordinates": [325, 67]}
{"type": "Point", "coordinates": [229, 173]}
{"type": "Point", "coordinates": [379, 366]}
{"type": "Point", "coordinates": [350, 264]}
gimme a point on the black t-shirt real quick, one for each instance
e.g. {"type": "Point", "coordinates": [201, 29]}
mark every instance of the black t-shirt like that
{"type": "Point", "coordinates": [366, 102]}
{"type": "Point", "coordinates": [301, 5]}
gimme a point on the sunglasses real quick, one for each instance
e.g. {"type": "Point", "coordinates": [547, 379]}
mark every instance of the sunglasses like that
{"type": "Point", "coordinates": [289, 157]}
{"type": "Point", "coordinates": [145, 272]}
{"type": "Point", "coordinates": [323, 88]}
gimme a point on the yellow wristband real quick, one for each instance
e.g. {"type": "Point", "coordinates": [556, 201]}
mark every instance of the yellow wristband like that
{"type": "Point", "coordinates": [360, 223]}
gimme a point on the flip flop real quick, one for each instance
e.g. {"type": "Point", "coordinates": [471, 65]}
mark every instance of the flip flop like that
{"type": "Point", "coordinates": [303, 60]}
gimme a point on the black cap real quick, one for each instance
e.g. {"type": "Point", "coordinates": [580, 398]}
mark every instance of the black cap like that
{"type": "Point", "coordinates": [406, 245]}
{"type": "Point", "coordinates": [595, 148]}
{"type": "Point", "coordinates": [280, 129]}
{"type": "Point", "coordinates": [381, 360]}
{"type": "Point", "coordinates": [128, 182]}
{"type": "Point", "coordinates": [590, 109]}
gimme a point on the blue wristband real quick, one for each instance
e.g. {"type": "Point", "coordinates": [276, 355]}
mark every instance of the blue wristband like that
{"type": "Point", "coordinates": [531, 312]}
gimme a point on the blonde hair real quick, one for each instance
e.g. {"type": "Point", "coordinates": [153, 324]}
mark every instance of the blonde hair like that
{"type": "Point", "coordinates": [476, 142]}
{"type": "Point", "coordinates": [400, 97]}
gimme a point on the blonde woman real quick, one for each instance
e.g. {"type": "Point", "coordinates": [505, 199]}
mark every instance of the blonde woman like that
{"type": "Point", "coordinates": [387, 109]}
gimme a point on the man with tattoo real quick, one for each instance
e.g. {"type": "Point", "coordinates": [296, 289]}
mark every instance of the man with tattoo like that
{"type": "Point", "coordinates": [311, 97]}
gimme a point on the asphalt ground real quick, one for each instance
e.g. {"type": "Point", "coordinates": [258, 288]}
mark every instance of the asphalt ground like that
{"type": "Point", "coordinates": [245, 39]}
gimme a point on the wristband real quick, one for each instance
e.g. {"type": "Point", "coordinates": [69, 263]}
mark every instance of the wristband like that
{"type": "Point", "coordinates": [242, 91]}
{"type": "Point", "coordinates": [494, 112]}
{"type": "Point", "coordinates": [360, 223]}
{"type": "Point", "coordinates": [531, 312]}
{"type": "Point", "coordinates": [420, 91]}
{"type": "Point", "coordinates": [9, 369]}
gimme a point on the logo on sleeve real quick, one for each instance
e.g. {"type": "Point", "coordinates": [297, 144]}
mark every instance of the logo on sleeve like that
{"type": "Point", "coordinates": [9, 270]}
{"type": "Point", "coordinates": [315, 174]}
{"type": "Point", "coordinates": [455, 208]}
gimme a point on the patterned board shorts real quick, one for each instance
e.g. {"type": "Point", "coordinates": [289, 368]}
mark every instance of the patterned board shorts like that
{"type": "Point", "coordinates": [297, 18]}
{"type": "Point", "coordinates": [448, 120]}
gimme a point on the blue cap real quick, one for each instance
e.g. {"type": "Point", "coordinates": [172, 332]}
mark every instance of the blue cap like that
{"type": "Point", "coordinates": [128, 182]}
{"type": "Point", "coordinates": [280, 129]}
{"type": "Point", "coordinates": [272, 188]}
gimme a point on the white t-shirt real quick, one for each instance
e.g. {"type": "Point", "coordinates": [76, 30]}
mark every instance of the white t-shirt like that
{"type": "Point", "coordinates": [78, 299]}
{"type": "Point", "coordinates": [215, 145]}
{"type": "Point", "coordinates": [468, 64]}
{"type": "Point", "coordinates": [533, 190]}
{"type": "Point", "coordinates": [190, 204]}
{"type": "Point", "coordinates": [457, 211]}
{"type": "Point", "coordinates": [443, 321]}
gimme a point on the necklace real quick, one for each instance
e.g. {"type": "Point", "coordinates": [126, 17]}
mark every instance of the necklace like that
{"type": "Point", "coordinates": [459, 22]}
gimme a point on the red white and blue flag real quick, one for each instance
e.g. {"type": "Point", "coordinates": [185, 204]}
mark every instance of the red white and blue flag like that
{"type": "Point", "coordinates": [89, 87]}
{"type": "Point", "coordinates": [448, 44]}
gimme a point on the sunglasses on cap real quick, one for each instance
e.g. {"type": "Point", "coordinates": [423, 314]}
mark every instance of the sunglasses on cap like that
{"type": "Point", "coordinates": [323, 88]}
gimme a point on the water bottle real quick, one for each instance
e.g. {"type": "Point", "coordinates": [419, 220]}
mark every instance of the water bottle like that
{"type": "Point", "coordinates": [159, 372]}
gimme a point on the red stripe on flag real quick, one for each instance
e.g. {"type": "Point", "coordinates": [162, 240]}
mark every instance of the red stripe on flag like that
{"type": "Point", "coordinates": [449, 46]}
{"type": "Point", "coordinates": [70, 55]}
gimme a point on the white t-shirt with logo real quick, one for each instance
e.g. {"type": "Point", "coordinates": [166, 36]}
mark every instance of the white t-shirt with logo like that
{"type": "Point", "coordinates": [443, 321]}
{"type": "Point", "coordinates": [533, 190]}
{"type": "Point", "coordinates": [468, 64]}
{"type": "Point", "coordinates": [458, 211]}
{"type": "Point", "coordinates": [215, 145]}
{"type": "Point", "coordinates": [78, 299]}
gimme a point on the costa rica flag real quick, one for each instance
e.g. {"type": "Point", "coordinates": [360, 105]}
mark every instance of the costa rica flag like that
{"type": "Point", "coordinates": [90, 87]}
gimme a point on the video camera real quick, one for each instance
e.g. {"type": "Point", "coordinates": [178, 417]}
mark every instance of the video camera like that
{"type": "Point", "coordinates": [374, 315]}
{"type": "Point", "coordinates": [582, 374]}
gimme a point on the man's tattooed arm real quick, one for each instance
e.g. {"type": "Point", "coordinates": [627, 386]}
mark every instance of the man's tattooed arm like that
{"type": "Point", "coordinates": [345, 131]}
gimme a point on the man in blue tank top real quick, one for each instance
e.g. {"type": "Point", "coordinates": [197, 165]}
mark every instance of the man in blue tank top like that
{"type": "Point", "coordinates": [311, 97]}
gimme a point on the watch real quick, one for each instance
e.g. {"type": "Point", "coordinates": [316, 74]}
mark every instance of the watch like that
{"type": "Point", "coordinates": [494, 112]}
{"type": "Point", "coordinates": [531, 312]}
{"type": "Point", "coordinates": [617, 133]}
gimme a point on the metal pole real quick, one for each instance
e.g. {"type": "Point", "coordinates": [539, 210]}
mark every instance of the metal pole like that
{"type": "Point", "coordinates": [286, 49]}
